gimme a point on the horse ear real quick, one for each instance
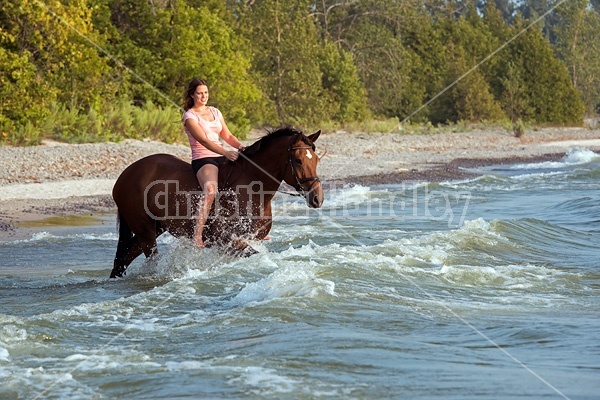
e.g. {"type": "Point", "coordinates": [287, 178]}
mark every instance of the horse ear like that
{"type": "Point", "coordinates": [315, 136]}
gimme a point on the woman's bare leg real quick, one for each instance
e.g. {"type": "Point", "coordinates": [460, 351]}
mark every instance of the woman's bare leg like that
{"type": "Point", "coordinates": [207, 176]}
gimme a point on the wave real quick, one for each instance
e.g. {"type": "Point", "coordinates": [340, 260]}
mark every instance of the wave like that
{"type": "Point", "coordinates": [572, 157]}
{"type": "Point", "coordinates": [586, 205]}
{"type": "Point", "coordinates": [335, 197]}
{"type": "Point", "coordinates": [56, 237]}
{"type": "Point", "coordinates": [473, 248]}
{"type": "Point", "coordinates": [482, 265]}
{"type": "Point", "coordinates": [485, 255]}
{"type": "Point", "coordinates": [46, 236]}
{"type": "Point", "coordinates": [348, 195]}
{"type": "Point", "coordinates": [547, 241]}
{"type": "Point", "coordinates": [290, 281]}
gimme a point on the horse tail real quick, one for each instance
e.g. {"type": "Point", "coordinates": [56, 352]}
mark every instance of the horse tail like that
{"type": "Point", "coordinates": [123, 228]}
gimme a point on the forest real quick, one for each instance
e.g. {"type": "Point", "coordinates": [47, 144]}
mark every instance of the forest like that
{"type": "Point", "coordinates": [97, 70]}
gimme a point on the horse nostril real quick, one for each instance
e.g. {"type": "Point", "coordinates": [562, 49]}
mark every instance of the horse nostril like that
{"type": "Point", "coordinates": [316, 203]}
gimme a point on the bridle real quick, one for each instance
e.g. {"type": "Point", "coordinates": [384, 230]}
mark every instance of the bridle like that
{"type": "Point", "coordinates": [313, 179]}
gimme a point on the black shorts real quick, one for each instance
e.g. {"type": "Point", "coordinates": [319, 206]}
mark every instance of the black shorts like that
{"type": "Point", "coordinates": [201, 162]}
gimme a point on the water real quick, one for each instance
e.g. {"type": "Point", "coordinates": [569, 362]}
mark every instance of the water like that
{"type": "Point", "coordinates": [479, 289]}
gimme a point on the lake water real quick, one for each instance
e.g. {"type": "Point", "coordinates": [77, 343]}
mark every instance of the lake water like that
{"type": "Point", "coordinates": [487, 288]}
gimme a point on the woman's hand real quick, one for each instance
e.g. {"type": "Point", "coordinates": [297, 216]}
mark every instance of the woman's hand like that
{"type": "Point", "coordinates": [231, 155]}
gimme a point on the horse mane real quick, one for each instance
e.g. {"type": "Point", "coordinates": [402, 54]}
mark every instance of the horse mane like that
{"type": "Point", "coordinates": [274, 135]}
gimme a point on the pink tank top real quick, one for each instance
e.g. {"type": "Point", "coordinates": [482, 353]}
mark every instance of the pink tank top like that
{"type": "Point", "coordinates": [212, 129]}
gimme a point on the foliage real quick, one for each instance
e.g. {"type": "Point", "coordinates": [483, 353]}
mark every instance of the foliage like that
{"type": "Point", "coordinates": [374, 125]}
{"type": "Point", "coordinates": [24, 94]}
{"type": "Point", "coordinates": [578, 45]}
{"type": "Point", "coordinates": [469, 94]}
{"type": "Point", "coordinates": [518, 128]}
{"type": "Point", "coordinates": [89, 70]}
{"type": "Point", "coordinates": [117, 121]}
{"type": "Point", "coordinates": [549, 91]}
{"type": "Point", "coordinates": [170, 42]}
{"type": "Point", "coordinates": [304, 78]}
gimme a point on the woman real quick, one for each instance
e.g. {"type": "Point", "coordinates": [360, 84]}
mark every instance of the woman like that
{"type": "Point", "coordinates": [203, 125]}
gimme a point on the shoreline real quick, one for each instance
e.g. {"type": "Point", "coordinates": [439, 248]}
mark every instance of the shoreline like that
{"type": "Point", "coordinates": [454, 170]}
{"type": "Point", "coordinates": [16, 212]}
{"type": "Point", "coordinates": [70, 172]}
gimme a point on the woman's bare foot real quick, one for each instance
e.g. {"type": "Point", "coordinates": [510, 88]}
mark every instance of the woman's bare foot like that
{"type": "Point", "coordinates": [198, 241]}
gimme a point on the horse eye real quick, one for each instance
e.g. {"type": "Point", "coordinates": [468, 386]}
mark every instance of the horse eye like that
{"type": "Point", "coordinates": [298, 161]}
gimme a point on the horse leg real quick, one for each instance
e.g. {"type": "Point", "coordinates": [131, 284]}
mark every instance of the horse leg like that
{"type": "Point", "coordinates": [136, 247]}
{"type": "Point", "coordinates": [130, 247]}
{"type": "Point", "coordinates": [124, 246]}
{"type": "Point", "coordinates": [126, 257]}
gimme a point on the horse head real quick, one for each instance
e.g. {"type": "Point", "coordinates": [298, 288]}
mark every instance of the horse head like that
{"type": "Point", "coordinates": [302, 173]}
{"type": "Point", "coordinates": [297, 166]}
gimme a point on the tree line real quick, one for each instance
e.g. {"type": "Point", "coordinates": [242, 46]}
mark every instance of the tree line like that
{"type": "Point", "coordinates": [107, 69]}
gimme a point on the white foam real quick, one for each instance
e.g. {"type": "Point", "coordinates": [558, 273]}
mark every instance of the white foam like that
{"type": "Point", "coordinates": [38, 236]}
{"type": "Point", "coordinates": [581, 156]}
{"type": "Point", "coordinates": [25, 382]}
{"type": "Point", "coordinates": [536, 176]}
{"type": "Point", "coordinates": [267, 378]}
{"type": "Point", "coordinates": [477, 227]}
{"type": "Point", "coordinates": [571, 158]}
{"type": "Point", "coordinates": [10, 333]}
{"type": "Point", "coordinates": [186, 365]}
{"type": "Point", "coordinates": [4, 354]}
{"type": "Point", "coordinates": [513, 276]}
{"type": "Point", "coordinates": [347, 196]}
{"type": "Point", "coordinates": [436, 247]}
{"type": "Point", "coordinates": [295, 280]}
{"type": "Point", "coordinates": [126, 361]}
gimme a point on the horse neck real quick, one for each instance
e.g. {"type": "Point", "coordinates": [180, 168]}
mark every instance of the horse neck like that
{"type": "Point", "coordinates": [269, 167]}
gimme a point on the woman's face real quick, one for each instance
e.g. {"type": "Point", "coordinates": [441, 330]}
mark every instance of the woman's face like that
{"type": "Point", "coordinates": [201, 95]}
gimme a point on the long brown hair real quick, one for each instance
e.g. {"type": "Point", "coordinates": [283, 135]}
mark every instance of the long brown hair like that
{"type": "Point", "coordinates": [188, 100]}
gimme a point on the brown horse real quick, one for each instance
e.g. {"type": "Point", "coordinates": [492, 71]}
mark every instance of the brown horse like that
{"type": "Point", "coordinates": [160, 193]}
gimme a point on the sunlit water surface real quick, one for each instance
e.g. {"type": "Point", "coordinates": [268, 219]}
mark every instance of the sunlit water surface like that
{"type": "Point", "coordinates": [480, 289]}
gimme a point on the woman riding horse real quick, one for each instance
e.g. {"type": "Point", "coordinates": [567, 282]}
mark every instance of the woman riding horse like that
{"type": "Point", "coordinates": [203, 126]}
{"type": "Point", "coordinates": [160, 193]}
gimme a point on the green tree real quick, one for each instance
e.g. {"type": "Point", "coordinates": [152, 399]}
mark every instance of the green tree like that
{"type": "Point", "coordinates": [468, 97]}
{"type": "Point", "coordinates": [526, 77]}
{"type": "Point", "coordinates": [388, 70]}
{"type": "Point", "coordinates": [578, 46]}
{"type": "Point", "coordinates": [25, 95]}
{"type": "Point", "coordinates": [550, 93]}
{"type": "Point", "coordinates": [45, 46]}
{"type": "Point", "coordinates": [300, 75]}
{"type": "Point", "coordinates": [341, 85]}
{"type": "Point", "coordinates": [505, 7]}
{"type": "Point", "coordinates": [533, 9]}
{"type": "Point", "coordinates": [375, 32]}
{"type": "Point", "coordinates": [168, 43]}
{"type": "Point", "coordinates": [513, 95]}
